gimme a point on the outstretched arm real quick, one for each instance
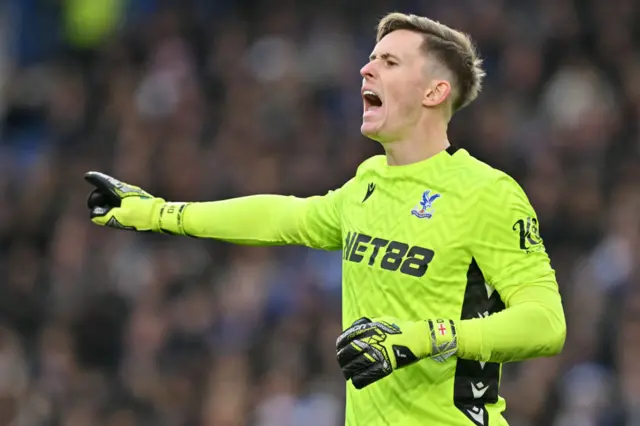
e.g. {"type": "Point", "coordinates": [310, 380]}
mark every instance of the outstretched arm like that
{"type": "Point", "coordinates": [264, 220]}
{"type": "Point", "coordinates": [255, 220]}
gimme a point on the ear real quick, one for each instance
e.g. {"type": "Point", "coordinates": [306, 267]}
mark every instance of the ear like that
{"type": "Point", "coordinates": [437, 92]}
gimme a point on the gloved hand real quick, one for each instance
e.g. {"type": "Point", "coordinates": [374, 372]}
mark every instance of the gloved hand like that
{"type": "Point", "coordinates": [120, 205]}
{"type": "Point", "coordinates": [370, 350]}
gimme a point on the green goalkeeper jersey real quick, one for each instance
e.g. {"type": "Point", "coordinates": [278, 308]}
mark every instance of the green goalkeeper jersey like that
{"type": "Point", "coordinates": [447, 237]}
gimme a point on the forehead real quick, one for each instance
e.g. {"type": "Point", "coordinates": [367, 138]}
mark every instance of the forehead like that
{"type": "Point", "coordinates": [402, 43]}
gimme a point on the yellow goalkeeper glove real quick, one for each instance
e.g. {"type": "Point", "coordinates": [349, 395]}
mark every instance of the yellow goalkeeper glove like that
{"type": "Point", "coordinates": [122, 206]}
{"type": "Point", "coordinates": [370, 350]}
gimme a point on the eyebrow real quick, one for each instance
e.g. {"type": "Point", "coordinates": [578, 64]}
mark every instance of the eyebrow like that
{"type": "Point", "coordinates": [383, 56]}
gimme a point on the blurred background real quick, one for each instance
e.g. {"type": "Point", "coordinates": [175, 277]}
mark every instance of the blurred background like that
{"type": "Point", "coordinates": [210, 99]}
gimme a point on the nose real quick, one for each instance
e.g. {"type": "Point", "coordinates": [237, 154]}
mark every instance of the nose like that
{"type": "Point", "coordinates": [367, 71]}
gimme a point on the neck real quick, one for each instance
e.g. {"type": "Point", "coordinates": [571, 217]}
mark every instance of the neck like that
{"type": "Point", "coordinates": [417, 146]}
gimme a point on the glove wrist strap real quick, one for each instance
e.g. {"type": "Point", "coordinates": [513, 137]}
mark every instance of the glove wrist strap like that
{"type": "Point", "coordinates": [444, 339]}
{"type": "Point", "coordinates": [170, 219]}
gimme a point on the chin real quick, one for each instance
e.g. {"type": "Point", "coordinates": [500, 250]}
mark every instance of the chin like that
{"type": "Point", "coordinates": [367, 131]}
{"type": "Point", "coordinates": [370, 130]}
{"type": "Point", "coordinates": [373, 124]}
{"type": "Point", "coordinates": [374, 133]}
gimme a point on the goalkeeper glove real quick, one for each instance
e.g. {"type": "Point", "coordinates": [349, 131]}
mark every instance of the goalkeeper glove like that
{"type": "Point", "coordinates": [370, 350]}
{"type": "Point", "coordinates": [119, 205]}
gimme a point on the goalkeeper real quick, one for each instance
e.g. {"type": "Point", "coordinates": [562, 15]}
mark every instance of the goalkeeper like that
{"type": "Point", "coordinates": [445, 276]}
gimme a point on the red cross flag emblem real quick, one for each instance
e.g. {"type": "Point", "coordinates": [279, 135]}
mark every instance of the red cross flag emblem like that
{"type": "Point", "coordinates": [443, 329]}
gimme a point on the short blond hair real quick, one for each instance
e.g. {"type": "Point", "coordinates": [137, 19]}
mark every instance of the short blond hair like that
{"type": "Point", "coordinates": [453, 49]}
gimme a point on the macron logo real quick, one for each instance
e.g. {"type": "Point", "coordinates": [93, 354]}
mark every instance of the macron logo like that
{"type": "Point", "coordinates": [370, 188]}
{"type": "Point", "coordinates": [477, 414]}
{"type": "Point", "coordinates": [479, 389]}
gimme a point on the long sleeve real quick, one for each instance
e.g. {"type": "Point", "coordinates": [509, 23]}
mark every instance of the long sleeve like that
{"type": "Point", "coordinates": [267, 220]}
{"type": "Point", "coordinates": [511, 255]}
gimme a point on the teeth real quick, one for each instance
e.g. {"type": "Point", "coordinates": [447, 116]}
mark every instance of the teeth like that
{"type": "Point", "coordinates": [369, 92]}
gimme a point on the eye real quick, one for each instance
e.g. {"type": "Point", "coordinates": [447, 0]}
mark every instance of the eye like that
{"type": "Point", "coordinates": [391, 63]}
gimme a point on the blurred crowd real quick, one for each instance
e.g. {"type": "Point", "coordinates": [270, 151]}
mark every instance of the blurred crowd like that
{"type": "Point", "coordinates": [205, 100]}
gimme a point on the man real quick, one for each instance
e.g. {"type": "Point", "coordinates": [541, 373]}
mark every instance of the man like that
{"type": "Point", "coordinates": [445, 274]}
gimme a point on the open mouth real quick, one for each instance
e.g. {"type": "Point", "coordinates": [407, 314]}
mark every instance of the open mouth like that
{"type": "Point", "coordinates": [371, 100]}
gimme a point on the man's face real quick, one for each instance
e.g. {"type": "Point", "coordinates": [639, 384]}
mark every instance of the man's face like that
{"type": "Point", "coordinates": [393, 86]}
